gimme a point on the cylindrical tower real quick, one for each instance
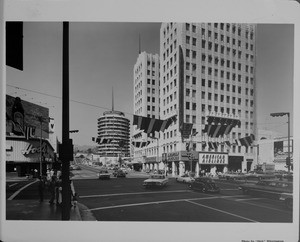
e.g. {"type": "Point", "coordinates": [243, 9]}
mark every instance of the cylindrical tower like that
{"type": "Point", "coordinates": [114, 127]}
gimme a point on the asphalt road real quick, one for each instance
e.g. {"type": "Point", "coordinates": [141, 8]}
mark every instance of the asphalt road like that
{"type": "Point", "coordinates": [125, 199]}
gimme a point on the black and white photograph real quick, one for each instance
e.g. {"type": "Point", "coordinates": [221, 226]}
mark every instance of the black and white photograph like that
{"type": "Point", "coordinates": [149, 127]}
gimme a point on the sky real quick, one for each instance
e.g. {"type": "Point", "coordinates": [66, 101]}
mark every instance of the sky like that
{"type": "Point", "coordinates": [102, 57]}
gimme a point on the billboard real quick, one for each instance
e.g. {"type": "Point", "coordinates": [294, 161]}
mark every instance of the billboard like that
{"type": "Point", "coordinates": [26, 114]}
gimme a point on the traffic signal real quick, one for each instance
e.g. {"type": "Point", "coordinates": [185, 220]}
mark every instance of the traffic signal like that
{"type": "Point", "coordinates": [14, 45]}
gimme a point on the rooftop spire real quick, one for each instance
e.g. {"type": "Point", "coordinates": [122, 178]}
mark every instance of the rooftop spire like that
{"type": "Point", "coordinates": [112, 99]}
{"type": "Point", "coordinates": [139, 44]}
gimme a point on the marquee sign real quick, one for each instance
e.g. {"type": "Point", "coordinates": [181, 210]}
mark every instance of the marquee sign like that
{"type": "Point", "coordinates": [213, 158]}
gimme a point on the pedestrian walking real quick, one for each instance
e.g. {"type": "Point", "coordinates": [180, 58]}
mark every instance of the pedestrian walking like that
{"type": "Point", "coordinates": [58, 191]}
{"type": "Point", "coordinates": [52, 189]}
{"type": "Point", "coordinates": [41, 188]}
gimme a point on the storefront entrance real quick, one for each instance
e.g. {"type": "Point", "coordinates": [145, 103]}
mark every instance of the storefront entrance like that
{"type": "Point", "coordinates": [235, 163]}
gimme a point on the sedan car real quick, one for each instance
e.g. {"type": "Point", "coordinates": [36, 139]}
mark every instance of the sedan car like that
{"type": "Point", "coordinates": [119, 173]}
{"type": "Point", "coordinates": [103, 174]}
{"type": "Point", "coordinates": [267, 188]}
{"type": "Point", "coordinates": [204, 184]}
{"type": "Point", "coordinates": [156, 180]}
{"type": "Point", "coordinates": [185, 179]}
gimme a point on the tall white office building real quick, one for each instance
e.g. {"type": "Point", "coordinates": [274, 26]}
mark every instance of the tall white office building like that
{"type": "Point", "coordinates": [146, 102]}
{"type": "Point", "coordinates": [207, 69]}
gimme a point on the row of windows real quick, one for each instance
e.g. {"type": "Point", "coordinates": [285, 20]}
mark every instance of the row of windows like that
{"type": "Point", "coordinates": [193, 67]}
{"type": "Point", "coordinates": [228, 63]}
{"type": "Point", "coordinates": [193, 41]}
{"type": "Point", "coordinates": [229, 88]}
{"type": "Point", "coordinates": [222, 26]}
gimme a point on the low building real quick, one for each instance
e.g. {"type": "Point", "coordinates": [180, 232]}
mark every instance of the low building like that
{"type": "Point", "coordinates": [275, 151]}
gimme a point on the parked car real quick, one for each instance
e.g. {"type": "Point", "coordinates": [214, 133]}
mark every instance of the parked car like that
{"type": "Point", "coordinates": [267, 188]}
{"type": "Point", "coordinates": [119, 173]}
{"type": "Point", "coordinates": [204, 184]}
{"type": "Point", "coordinates": [287, 198]}
{"type": "Point", "coordinates": [185, 178]}
{"type": "Point", "coordinates": [104, 174]}
{"type": "Point", "coordinates": [156, 180]}
{"type": "Point", "coordinates": [75, 167]}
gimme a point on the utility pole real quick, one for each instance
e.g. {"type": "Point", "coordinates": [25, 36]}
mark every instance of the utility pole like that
{"type": "Point", "coordinates": [66, 148]}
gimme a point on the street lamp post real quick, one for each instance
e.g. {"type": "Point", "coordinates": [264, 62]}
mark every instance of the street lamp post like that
{"type": "Point", "coordinates": [190, 149]}
{"type": "Point", "coordinates": [288, 159]}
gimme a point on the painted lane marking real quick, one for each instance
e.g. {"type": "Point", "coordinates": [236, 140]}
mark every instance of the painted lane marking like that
{"type": "Point", "coordinates": [262, 206]}
{"type": "Point", "coordinates": [248, 199]}
{"type": "Point", "coordinates": [17, 192]}
{"type": "Point", "coordinates": [221, 211]}
{"type": "Point", "coordinates": [131, 193]}
{"type": "Point", "coordinates": [11, 185]}
{"type": "Point", "coordinates": [156, 202]}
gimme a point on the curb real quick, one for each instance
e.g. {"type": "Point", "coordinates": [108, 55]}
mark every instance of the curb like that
{"type": "Point", "coordinates": [84, 214]}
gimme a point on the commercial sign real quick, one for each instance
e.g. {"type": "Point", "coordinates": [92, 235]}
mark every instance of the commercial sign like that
{"type": "Point", "coordinates": [151, 159]}
{"type": "Point", "coordinates": [213, 158]}
{"type": "Point", "coordinates": [181, 156]}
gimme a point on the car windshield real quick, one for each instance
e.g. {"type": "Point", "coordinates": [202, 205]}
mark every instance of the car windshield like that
{"type": "Point", "coordinates": [157, 177]}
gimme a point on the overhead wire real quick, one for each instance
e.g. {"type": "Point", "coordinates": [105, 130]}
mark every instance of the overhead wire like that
{"type": "Point", "coordinates": [105, 108]}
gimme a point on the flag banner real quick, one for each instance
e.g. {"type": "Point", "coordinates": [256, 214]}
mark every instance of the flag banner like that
{"type": "Point", "coordinates": [140, 144]}
{"type": "Point", "coordinates": [243, 142]}
{"type": "Point", "coordinates": [228, 143]}
{"type": "Point", "coordinates": [212, 130]}
{"type": "Point", "coordinates": [215, 145]}
{"type": "Point", "coordinates": [238, 142]}
{"type": "Point", "coordinates": [203, 144]}
{"type": "Point", "coordinates": [186, 130]}
{"type": "Point", "coordinates": [102, 140]}
{"type": "Point", "coordinates": [210, 145]}
{"type": "Point", "coordinates": [152, 125]}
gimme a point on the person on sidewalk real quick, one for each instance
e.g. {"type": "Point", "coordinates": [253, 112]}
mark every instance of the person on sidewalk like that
{"type": "Point", "coordinates": [58, 191]}
{"type": "Point", "coordinates": [41, 188]}
{"type": "Point", "coordinates": [52, 189]}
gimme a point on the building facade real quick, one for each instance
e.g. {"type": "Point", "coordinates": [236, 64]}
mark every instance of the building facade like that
{"type": "Point", "coordinates": [207, 69]}
{"type": "Point", "coordinates": [113, 127]}
{"type": "Point", "coordinates": [28, 147]}
{"type": "Point", "coordinates": [146, 103]}
{"type": "Point", "coordinates": [274, 151]}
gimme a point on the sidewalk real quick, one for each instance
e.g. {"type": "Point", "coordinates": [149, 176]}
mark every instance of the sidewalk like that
{"type": "Point", "coordinates": [34, 210]}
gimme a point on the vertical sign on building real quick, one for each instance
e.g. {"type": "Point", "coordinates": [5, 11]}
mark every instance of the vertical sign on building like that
{"type": "Point", "coordinates": [181, 89]}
